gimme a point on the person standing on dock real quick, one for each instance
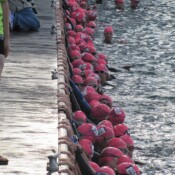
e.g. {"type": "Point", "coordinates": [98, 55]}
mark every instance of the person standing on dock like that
{"type": "Point", "coordinates": [4, 32]}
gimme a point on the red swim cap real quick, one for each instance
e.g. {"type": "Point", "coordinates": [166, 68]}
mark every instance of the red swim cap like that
{"type": "Point", "coordinates": [91, 96]}
{"type": "Point", "coordinates": [104, 132]}
{"type": "Point", "coordinates": [71, 33]}
{"type": "Point", "coordinates": [93, 103]}
{"type": "Point", "coordinates": [77, 71]}
{"type": "Point", "coordinates": [86, 66]}
{"type": "Point", "coordinates": [87, 146]}
{"type": "Point", "coordinates": [88, 89]}
{"type": "Point", "coordinates": [100, 112]}
{"type": "Point", "coordinates": [77, 79]}
{"type": "Point", "coordinates": [128, 140]}
{"type": "Point", "coordinates": [94, 165]}
{"type": "Point", "coordinates": [101, 56]}
{"type": "Point", "coordinates": [101, 67]}
{"type": "Point", "coordinates": [92, 14]}
{"type": "Point", "coordinates": [75, 54]}
{"type": "Point", "coordinates": [86, 73]}
{"type": "Point", "coordinates": [108, 29]}
{"type": "Point", "coordinates": [105, 170]}
{"type": "Point", "coordinates": [71, 40]}
{"type": "Point", "coordinates": [119, 1]}
{"type": "Point", "coordinates": [91, 24]}
{"type": "Point", "coordinates": [89, 31]}
{"type": "Point", "coordinates": [117, 143]}
{"type": "Point", "coordinates": [101, 61]}
{"type": "Point", "coordinates": [106, 123]}
{"type": "Point", "coordinates": [77, 63]}
{"type": "Point", "coordinates": [88, 57]}
{"type": "Point", "coordinates": [90, 81]}
{"type": "Point", "coordinates": [79, 28]}
{"type": "Point", "coordinates": [106, 98]}
{"type": "Point", "coordinates": [108, 154]}
{"type": "Point", "coordinates": [79, 116]}
{"type": "Point", "coordinates": [72, 47]}
{"type": "Point", "coordinates": [120, 129]}
{"type": "Point", "coordinates": [117, 115]}
{"type": "Point", "coordinates": [68, 26]}
{"type": "Point", "coordinates": [88, 131]}
{"type": "Point", "coordinates": [128, 169]}
{"type": "Point", "coordinates": [123, 159]}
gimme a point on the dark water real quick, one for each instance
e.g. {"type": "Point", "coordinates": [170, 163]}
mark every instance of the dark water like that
{"type": "Point", "coordinates": [147, 92]}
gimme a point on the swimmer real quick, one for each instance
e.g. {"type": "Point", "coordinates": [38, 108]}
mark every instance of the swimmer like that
{"type": "Point", "coordinates": [108, 33]}
{"type": "Point", "coordinates": [134, 4]}
{"type": "Point", "coordinates": [119, 4]}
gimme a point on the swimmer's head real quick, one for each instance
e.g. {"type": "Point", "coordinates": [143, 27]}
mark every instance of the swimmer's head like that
{"type": "Point", "coordinates": [108, 32]}
{"type": "Point", "coordinates": [134, 3]}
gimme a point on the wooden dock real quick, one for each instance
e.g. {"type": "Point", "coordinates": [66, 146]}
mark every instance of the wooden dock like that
{"type": "Point", "coordinates": [28, 102]}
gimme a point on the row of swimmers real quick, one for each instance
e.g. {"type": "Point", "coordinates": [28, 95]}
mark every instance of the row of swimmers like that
{"type": "Point", "coordinates": [100, 143]}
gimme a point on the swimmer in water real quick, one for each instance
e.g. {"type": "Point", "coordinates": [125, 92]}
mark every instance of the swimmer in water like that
{"type": "Point", "coordinates": [134, 4]}
{"type": "Point", "coordinates": [119, 4]}
{"type": "Point", "coordinates": [108, 33]}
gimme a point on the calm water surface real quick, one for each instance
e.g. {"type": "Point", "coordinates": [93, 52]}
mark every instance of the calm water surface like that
{"type": "Point", "coordinates": [147, 92]}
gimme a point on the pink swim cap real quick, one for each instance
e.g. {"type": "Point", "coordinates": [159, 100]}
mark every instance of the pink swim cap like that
{"type": "Point", "coordinates": [90, 81]}
{"type": "Point", "coordinates": [128, 169]}
{"type": "Point", "coordinates": [101, 61]}
{"type": "Point", "coordinates": [101, 56]}
{"type": "Point", "coordinates": [106, 123]}
{"type": "Point", "coordinates": [87, 147]}
{"type": "Point", "coordinates": [71, 40]}
{"type": "Point", "coordinates": [78, 62]}
{"type": "Point", "coordinates": [128, 140]}
{"type": "Point", "coordinates": [72, 47]}
{"type": "Point", "coordinates": [77, 71]}
{"type": "Point", "coordinates": [123, 159]}
{"type": "Point", "coordinates": [116, 115]}
{"type": "Point", "coordinates": [91, 96]}
{"type": "Point", "coordinates": [75, 54]}
{"type": "Point", "coordinates": [93, 103]}
{"type": "Point", "coordinates": [91, 24]}
{"type": "Point", "coordinates": [108, 29]}
{"type": "Point", "coordinates": [89, 31]}
{"type": "Point", "coordinates": [101, 67]}
{"type": "Point", "coordinates": [117, 143]}
{"type": "Point", "coordinates": [108, 154]}
{"type": "Point", "coordinates": [68, 26]}
{"type": "Point", "coordinates": [79, 28]}
{"type": "Point", "coordinates": [71, 33]}
{"type": "Point", "coordinates": [106, 98]}
{"type": "Point", "coordinates": [86, 66]}
{"type": "Point", "coordinates": [87, 72]}
{"type": "Point", "coordinates": [104, 133]}
{"type": "Point", "coordinates": [120, 129]}
{"type": "Point", "coordinates": [90, 48]}
{"type": "Point", "coordinates": [77, 79]}
{"type": "Point", "coordinates": [100, 112]}
{"type": "Point", "coordinates": [88, 131]}
{"type": "Point", "coordinates": [94, 165]}
{"type": "Point", "coordinates": [88, 57]}
{"type": "Point", "coordinates": [119, 1]}
{"type": "Point", "coordinates": [105, 170]}
{"type": "Point", "coordinates": [79, 116]}
{"type": "Point", "coordinates": [92, 14]}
